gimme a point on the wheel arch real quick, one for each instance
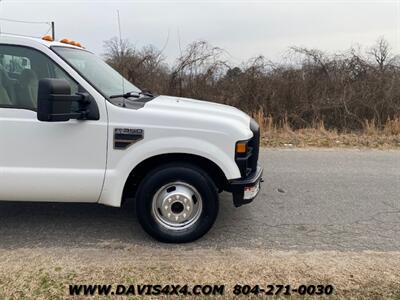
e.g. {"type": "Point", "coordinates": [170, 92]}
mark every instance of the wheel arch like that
{"type": "Point", "coordinates": [140, 170]}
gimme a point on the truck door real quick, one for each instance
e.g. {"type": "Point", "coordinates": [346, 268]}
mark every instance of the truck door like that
{"type": "Point", "coordinates": [45, 161]}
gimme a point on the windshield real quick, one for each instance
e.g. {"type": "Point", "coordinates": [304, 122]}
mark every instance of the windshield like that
{"type": "Point", "coordinates": [96, 71]}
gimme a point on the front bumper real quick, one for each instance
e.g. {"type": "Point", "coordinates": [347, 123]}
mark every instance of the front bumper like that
{"type": "Point", "coordinates": [245, 190]}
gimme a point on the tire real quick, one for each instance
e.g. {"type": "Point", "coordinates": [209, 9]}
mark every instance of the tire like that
{"type": "Point", "coordinates": [177, 203]}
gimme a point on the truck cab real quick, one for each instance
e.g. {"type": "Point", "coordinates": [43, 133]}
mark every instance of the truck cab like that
{"type": "Point", "coordinates": [72, 129]}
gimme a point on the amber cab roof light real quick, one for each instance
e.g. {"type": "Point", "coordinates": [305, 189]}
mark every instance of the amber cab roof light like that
{"type": "Point", "coordinates": [47, 38]}
{"type": "Point", "coordinates": [71, 42]}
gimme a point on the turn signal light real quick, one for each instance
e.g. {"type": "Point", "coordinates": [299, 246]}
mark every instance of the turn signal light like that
{"type": "Point", "coordinates": [241, 148]}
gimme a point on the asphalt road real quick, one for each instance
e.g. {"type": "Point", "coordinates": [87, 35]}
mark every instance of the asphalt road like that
{"type": "Point", "coordinates": [311, 200]}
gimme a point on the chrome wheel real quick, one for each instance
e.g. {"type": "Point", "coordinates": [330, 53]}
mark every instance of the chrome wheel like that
{"type": "Point", "coordinates": [177, 206]}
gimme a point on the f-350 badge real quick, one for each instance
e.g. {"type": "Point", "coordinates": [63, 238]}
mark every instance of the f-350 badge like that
{"type": "Point", "coordinates": [125, 137]}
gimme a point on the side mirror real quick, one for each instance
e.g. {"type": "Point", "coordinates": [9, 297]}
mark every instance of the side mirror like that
{"type": "Point", "coordinates": [55, 101]}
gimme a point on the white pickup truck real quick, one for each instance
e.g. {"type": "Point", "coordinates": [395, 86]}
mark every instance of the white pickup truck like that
{"type": "Point", "coordinates": [73, 130]}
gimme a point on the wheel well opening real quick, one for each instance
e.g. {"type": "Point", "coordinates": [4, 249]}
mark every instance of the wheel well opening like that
{"type": "Point", "coordinates": [140, 171]}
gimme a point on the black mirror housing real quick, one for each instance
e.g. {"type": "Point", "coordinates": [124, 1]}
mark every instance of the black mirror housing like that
{"type": "Point", "coordinates": [55, 102]}
{"type": "Point", "coordinates": [48, 109]}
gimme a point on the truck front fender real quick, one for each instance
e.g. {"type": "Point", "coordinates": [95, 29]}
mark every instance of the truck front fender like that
{"type": "Point", "coordinates": [121, 162]}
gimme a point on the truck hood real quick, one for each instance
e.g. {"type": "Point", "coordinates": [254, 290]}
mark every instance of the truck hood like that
{"type": "Point", "coordinates": [199, 109]}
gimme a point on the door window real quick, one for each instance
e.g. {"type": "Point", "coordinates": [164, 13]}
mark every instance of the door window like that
{"type": "Point", "coordinates": [21, 68]}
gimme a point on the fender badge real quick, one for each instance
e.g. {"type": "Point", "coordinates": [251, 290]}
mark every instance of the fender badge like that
{"type": "Point", "coordinates": [125, 137]}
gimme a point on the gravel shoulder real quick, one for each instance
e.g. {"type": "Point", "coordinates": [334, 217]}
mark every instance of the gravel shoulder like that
{"type": "Point", "coordinates": [46, 273]}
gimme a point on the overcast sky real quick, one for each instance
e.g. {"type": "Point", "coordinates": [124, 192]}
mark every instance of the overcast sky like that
{"type": "Point", "coordinates": [244, 28]}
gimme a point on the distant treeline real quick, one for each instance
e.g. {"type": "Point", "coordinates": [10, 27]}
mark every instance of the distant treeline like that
{"type": "Point", "coordinates": [344, 91]}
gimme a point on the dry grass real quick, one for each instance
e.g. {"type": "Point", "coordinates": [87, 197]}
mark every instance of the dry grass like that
{"type": "Point", "coordinates": [46, 273]}
{"type": "Point", "coordinates": [283, 136]}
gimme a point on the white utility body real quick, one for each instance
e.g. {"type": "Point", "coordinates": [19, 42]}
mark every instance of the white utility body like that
{"type": "Point", "coordinates": [73, 130]}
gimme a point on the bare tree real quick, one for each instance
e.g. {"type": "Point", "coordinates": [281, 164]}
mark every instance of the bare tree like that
{"type": "Point", "coordinates": [381, 53]}
{"type": "Point", "coordinates": [198, 66]}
